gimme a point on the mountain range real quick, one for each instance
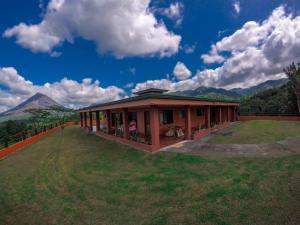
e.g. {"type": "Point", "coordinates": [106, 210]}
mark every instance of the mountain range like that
{"type": "Point", "coordinates": [43, 101]}
{"type": "Point", "coordinates": [232, 93]}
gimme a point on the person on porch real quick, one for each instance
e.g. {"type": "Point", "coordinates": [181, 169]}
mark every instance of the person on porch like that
{"type": "Point", "coordinates": [132, 128]}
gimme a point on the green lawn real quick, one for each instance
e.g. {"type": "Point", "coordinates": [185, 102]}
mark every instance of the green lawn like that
{"type": "Point", "coordinates": [258, 132]}
{"type": "Point", "coordinates": [74, 178]}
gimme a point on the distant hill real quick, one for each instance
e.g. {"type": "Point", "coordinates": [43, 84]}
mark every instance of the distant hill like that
{"type": "Point", "coordinates": [260, 87]}
{"type": "Point", "coordinates": [210, 92]}
{"type": "Point", "coordinates": [232, 93]}
{"type": "Point", "coordinates": [38, 100]}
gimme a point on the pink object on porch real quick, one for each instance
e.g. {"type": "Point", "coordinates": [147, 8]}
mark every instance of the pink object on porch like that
{"type": "Point", "coordinates": [132, 126]}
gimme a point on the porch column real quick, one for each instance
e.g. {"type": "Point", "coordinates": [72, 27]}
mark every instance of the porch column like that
{"type": "Point", "coordinates": [233, 113]}
{"type": "Point", "coordinates": [91, 120]}
{"type": "Point", "coordinates": [188, 122]}
{"type": "Point", "coordinates": [207, 117]}
{"type": "Point", "coordinates": [81, 119]}
{"type": "Point", "coordinates": [220, 114]}
{"type": "Point", "coordinates": [108, 118]}
{"type": "Point", "coordinates": [228, 120]}
{"type": "Point", "coordinates": [85, 119]}
{"type": "Point", "coordinates": [97, 121]}
{"type": "Point", "coordinates": [125, 123]}
{"type": "Point", "coordinates": [154, 127]}
{"type": "Point", "coordinates": [228, 114]}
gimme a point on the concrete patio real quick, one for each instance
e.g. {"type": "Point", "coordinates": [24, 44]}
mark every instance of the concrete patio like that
{"type": "Point", "coordinates": [203, 147]}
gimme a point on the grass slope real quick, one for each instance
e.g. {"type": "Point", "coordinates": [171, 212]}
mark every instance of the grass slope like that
{"type": "Point", "coordinates": [258, 132]}
{"type": "Point", "coordinates": [74, 178]}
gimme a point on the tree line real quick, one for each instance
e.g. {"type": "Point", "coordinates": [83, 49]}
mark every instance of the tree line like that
{"type": "Point", "coordinates": [284, 100]}
{"type": "Point", "coordinates": [39, 121]}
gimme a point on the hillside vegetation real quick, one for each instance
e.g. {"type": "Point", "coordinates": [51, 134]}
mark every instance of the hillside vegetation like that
{"type": "Point", "coordinates": [273, 97]}
{"type": "Point", "coordinates": [275, 101]}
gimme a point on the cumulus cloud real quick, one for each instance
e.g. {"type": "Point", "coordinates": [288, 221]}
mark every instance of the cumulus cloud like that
{"type": "Point", "coordinates": [189, 49]}
{"type": "Point", "coordinates": [280, 27]}
{"type": "Point", "coordinates": [181, 72]}
{"type": "Point", "coordinates": [129, 85]}
{"type": "Point", "coordinates": [256, 52]}
{"type": "Point", "coordinates": [251, 55]}
{"type": "Point", "coordinates": [34, 37]}
{"type": "Point", "coordinates": [162, 84]}
{"type": "Point", "coordinates": [174, 12]}
{"type": "Point", "coordinates": [69, 93]}
{"type": "Point", "coordinates": [212, 56]}
{"type": "Point", "coordinates": [122, 28]}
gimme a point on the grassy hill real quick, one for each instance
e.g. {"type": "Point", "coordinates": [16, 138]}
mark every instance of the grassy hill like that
{"type": "Point", "coordinates": [74, 178]}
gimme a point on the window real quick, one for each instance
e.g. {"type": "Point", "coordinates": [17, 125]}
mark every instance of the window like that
{"type": "Point", "coordinates": [102, 115]}
{"type": "Point", "coordinates": [132, 116]}
{"type": "Point", "coordinates": [200, 111]}
{"type": "Point", "coordinates": [181, 114]}
{"type": "Point", "coordinates": [113, 119]}
{"type": "Point", "coordinates": [116, 119]}
{"type": "Point", "coordinates": [167, 117]}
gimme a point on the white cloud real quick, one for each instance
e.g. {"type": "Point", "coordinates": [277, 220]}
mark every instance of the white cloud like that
{"type": "Point", "coordinates": [237, 7]}
{"type": "Point", "coordinates": [189, 49]}
{"type": "Point", "coordinates": [123, 28]}
{"type": "Point", "coordinates": [162, 84]}
{"type": "Point", "coordinates": [181, 72]}
{"type": "Point", "coordinates": [129, 85]}
{"type": "Point", "coordinates": [253, 54]}
{"type": "Point", "coordinates": [256, 52]}
{"type": "Point", "coordinates": [34, 37]}
{"type": "Point", "coordinates": [254, 34]}
{"type": "Point", "coordinates": [67, 92]}
{"type": "Point", "coordinates": [212, 56]}
{"type": "Point", "coordinates": [174, 12]}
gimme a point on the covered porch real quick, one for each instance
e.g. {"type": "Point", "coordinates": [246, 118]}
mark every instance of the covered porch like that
{"type": "Point", "coordinates": [152, 127]}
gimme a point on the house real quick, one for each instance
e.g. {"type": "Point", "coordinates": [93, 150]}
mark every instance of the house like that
{"type": "Point", "coordinates": [154, 119]}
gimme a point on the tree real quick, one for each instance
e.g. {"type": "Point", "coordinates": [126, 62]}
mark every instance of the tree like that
{"type": "Point", "coordinates": [11, 132]}
{"type": "Point", "coordinates": [293, 73]}
{"type": "Point", "coordinates": [38, 118]}
{"type": "Point", "coordinates": [279, 100]}
{"type": "Point", "coordinates": [61, 114]}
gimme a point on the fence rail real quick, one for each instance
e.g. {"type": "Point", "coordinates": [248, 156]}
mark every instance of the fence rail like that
{"type": "Point", "coordinates": [19, 145]}
{"type": "Point", "coordinates": [283, 118]}
{"type": "Point", "coordinates": [22, 136]}
{"type": "Point", "coordinates": [268, 114]}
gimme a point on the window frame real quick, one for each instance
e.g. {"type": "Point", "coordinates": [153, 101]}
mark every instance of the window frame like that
{"type": "Point", "coordinates": [201, 110]}
{"type": "Point", "coordinates": [167, 116]}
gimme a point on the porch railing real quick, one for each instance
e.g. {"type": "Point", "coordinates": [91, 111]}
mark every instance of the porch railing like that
{"type": "Point", "coordinates": [140, 138]}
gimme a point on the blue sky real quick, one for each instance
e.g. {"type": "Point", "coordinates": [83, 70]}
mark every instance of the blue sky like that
{"type": "Point", "coordinates": [80, 45]}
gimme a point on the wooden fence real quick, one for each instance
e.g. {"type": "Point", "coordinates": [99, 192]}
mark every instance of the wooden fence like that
{"type": "Point", "coordinates": [21, 144]}
{"type": "Point", "coordinates": [287, 118]}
